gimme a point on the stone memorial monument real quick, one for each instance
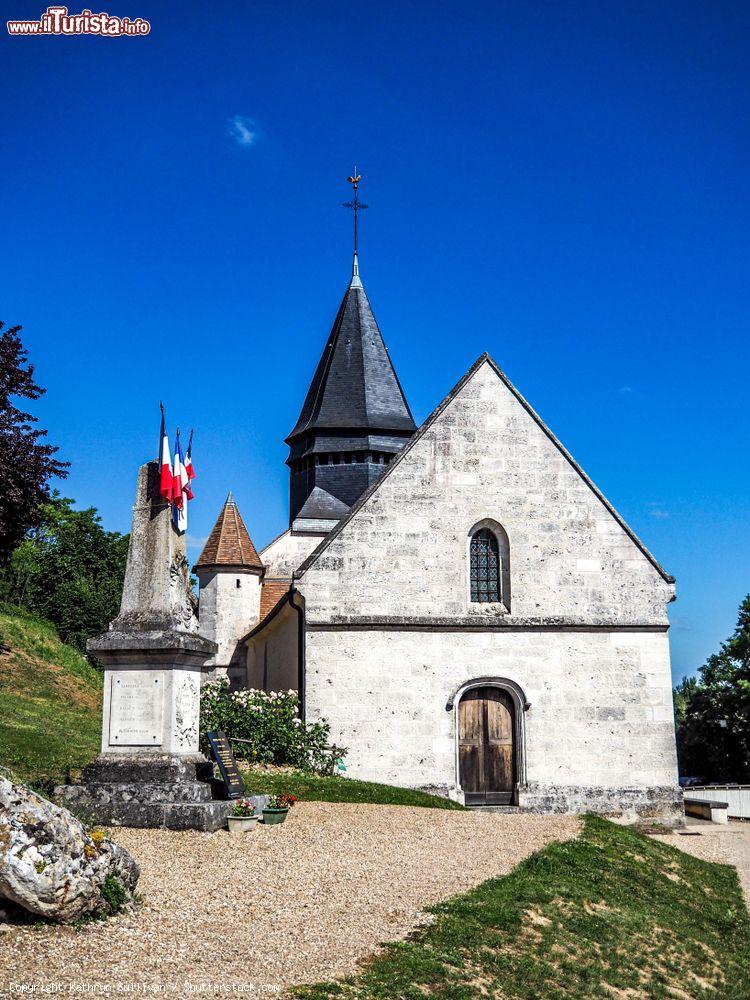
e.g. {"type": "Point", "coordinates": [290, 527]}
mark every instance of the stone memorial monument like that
{"type": "Point", "coordinates": [150, 771]}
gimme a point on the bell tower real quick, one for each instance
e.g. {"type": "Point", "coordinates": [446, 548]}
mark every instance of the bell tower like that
{"type": "Point", "coordinates": [355, 417]}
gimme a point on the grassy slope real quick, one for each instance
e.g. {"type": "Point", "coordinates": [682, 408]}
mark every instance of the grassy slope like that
{"type": "Point", "coordinates": [611, 914]}
{"type": "Point", "coordinates": [313, 787]}
{"type": "Point", "coordinates": [50, 718]}
{"type": "Point", "coordinates": [50, 701]}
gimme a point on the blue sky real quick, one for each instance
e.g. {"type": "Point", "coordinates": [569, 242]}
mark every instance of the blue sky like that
{"type": "Point", "coordinates": [561, 184]}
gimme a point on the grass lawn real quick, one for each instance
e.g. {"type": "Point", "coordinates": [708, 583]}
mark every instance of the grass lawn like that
{"type": "Point", "coordinates": [50, 721]}
{"type": "Point", "coordinates": [315, 788]}
{"type": "Point", "coordinates": [611, 915]}
{"type": "Point", "coordinates": [50, 701]}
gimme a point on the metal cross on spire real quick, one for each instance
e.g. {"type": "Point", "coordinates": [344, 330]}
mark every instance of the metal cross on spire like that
{"type": "Point", "coordinates": [355, 205]}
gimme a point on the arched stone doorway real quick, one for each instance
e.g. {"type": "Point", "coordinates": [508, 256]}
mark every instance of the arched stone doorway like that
{"type": "Point", "coordinates": [489, 745]}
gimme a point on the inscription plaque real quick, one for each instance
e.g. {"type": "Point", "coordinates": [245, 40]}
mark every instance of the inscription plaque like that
{"type": "Point", "coordinates": [136, 709]}
{"type": "Point", "coordinates": [230, 774]}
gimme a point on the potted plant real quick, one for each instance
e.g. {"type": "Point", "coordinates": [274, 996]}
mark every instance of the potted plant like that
{"type": "Point", "coordinates": [277, 808]}
{"type": "Point", "coordinates": [243, 817]}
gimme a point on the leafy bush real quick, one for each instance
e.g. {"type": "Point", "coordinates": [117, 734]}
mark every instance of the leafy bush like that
{"type": "Point", "coordinates": [269, 722]}
{"type": "Point", "coordinates": [114, 894]}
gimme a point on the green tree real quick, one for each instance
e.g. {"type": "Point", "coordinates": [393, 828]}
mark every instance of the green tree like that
{"type": "Point", "coordinates": [69, 570]}
{"type": "Point", "coordinates": [27, 461]}
{"type": "Point", "coordinates": [713, 714]}
{"type": "Point", "coordinates": [682, 696]}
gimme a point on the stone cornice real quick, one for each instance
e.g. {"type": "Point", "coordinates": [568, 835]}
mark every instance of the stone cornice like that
{"type": "Point", "coordinates": [479, 624]}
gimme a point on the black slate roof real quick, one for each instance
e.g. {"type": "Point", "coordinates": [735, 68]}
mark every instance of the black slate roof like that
{"type": "Point", "coordinates": [355, 385]}
{"type": "Point", "coordinates": [320, 504]}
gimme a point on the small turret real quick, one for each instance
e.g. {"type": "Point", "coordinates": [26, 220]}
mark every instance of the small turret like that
{"type": "Point", "coordinates": [229, 572]}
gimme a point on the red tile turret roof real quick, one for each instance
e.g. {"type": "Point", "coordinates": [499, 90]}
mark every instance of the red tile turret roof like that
{"type": "Point", "coordinates": [229, 544]}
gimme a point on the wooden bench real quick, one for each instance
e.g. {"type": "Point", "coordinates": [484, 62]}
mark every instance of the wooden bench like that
{"type": "Point", "coordinates": [717, 812]}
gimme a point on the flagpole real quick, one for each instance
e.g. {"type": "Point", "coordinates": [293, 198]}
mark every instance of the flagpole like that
{"type": "Point", "coordinates": [161, 432]}
{"type": "Point", "coordinates": [176, 477]}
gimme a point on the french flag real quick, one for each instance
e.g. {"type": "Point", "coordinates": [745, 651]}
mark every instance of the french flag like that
{"type": "Point", "coordinates": [165, 463]}
{"type": "Point", "coordinates": [189, 468]}
{"type": "Point", "coordinates": [180, 481]}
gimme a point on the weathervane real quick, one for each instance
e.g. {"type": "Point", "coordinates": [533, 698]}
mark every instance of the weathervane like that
{"type": "Point", "coordinates": [356, 205]}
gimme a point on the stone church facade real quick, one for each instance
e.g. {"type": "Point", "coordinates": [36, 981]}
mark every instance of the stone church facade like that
{"type": "Point", "coordinates": [459, 601]}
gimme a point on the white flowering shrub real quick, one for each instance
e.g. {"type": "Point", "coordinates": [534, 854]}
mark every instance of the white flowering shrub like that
{"type": "Point", "coordinates": [270, 722]}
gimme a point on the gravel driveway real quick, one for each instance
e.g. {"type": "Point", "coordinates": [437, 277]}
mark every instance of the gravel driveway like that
{"type": "Point", "coordinates": [728, 843]}
{"type": "Point", "coordinates": [282, 905]}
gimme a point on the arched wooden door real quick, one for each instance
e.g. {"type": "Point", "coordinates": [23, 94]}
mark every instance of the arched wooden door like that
{"type": "Point", "coordinates": [486, 746]}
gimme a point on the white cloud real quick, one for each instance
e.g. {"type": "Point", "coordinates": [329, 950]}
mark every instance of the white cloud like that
{"type": "Point", "coordinates": [243, 130]}
{"type": "Point", "coordinates": [656, 510]}
{"type": "Point", "coordinates": [624, 390]}
{"type": "Point", "coordinates": [681, 624]}
{"type": "Point", "coordinates": [194, 542]}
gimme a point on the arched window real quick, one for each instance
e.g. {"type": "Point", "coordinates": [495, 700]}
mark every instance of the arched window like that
{"type": "Point", "coordinates": [485, 567]}
{"type": "Point", "coordinates": [489, 564]}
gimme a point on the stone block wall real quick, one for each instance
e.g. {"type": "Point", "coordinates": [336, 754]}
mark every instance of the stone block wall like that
{"type": "Point", "coordinates": [404, 553]}
{"type": "Point", "coordinates": [598, 732]}
{"type": "Point", "coordinates": [284, 554]}
{"type": "Point", "coordinates": [272, 663]}
{"type": "Point", "coordinates": [228, 611]}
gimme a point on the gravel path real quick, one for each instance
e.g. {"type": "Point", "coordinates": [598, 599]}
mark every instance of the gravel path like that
{"type": "Point", "coordinates": [283, 905]}
{"type": "Point", "coordinates": [727, 843]}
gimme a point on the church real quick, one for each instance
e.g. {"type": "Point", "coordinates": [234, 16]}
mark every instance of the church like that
{"type": "Point", "coordinates": [458, 600]}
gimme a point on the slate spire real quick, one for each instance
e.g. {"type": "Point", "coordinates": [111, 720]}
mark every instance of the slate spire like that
{"type": "Point", "coordinates": [355, 416]}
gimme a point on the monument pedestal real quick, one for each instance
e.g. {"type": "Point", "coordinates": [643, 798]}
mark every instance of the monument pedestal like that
{"type": "Point", "coordinates": [152, 683]}
{"type": "Point", "coordinates": [147, 790]}
{"type": "Point", "coordinates": [150, 771]}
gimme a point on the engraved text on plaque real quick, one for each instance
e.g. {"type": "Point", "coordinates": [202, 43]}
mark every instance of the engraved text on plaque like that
{"type": "Point", "coordinates": [136, 709]}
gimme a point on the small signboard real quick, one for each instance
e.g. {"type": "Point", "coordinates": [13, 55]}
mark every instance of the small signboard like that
{"type": "Point", "coordinates": [230, 774]}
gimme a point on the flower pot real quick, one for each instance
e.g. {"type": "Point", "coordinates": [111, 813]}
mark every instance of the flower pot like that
{"type": "Point", "coordinates": [241, 824]}
{"type": "Point", "coordinates": [272, 816]}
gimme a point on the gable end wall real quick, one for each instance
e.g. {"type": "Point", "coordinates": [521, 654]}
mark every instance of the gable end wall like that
{"type": "Point", "coordinates": [403, 554]}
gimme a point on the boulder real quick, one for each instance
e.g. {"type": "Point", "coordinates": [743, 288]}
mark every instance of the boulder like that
{"type": "Point", "coordinates": [50, 865]}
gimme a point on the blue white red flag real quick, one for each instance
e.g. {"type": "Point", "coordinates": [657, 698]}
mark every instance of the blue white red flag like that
{"type": "Point", "coordinates": [179, 481]}
{"type": "Point", "coordinates": [189, 468]}
{"type": "Point", "coordinates": [165, 467]}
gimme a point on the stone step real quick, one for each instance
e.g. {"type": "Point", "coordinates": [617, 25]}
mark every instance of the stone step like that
{"type": "Point", "coordinates": [164, 815]}
{"type": "Point", "coordinates": [496, 809]}
{"type": "Point", "coordinates": [147, 791]}
{"type": "Point", "coordinates": [96, 805]}
{"type": "Point", "coordinates": [151, 768]}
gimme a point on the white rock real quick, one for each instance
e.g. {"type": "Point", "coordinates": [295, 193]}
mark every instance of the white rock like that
{"type": "Point", "coordinates": [49, 865]}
